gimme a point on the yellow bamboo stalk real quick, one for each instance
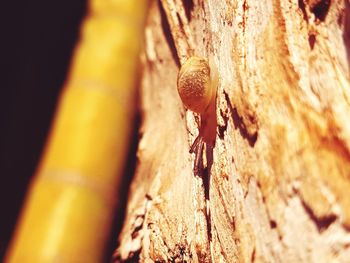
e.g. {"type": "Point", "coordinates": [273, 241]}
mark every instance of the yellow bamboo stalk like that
{"type": "Point", "coordinates": [68, 210]}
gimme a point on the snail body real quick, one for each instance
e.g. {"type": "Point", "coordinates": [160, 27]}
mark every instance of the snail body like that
{"type": "Point", "coordinates": [195, 84]}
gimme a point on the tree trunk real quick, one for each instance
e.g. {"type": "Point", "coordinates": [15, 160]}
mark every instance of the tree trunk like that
{"type": "Point", "coordinates": [275, 187]}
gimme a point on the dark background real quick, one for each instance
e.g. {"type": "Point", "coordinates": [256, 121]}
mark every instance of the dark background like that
{"type": "Point", "coordinates": [37, 39]}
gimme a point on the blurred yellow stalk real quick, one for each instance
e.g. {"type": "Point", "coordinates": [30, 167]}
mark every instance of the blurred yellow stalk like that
{"type": "Point", "coordinates": [68, 210]}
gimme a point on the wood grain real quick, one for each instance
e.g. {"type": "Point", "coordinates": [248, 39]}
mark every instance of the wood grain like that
{"type": "Point", "coordinates": [279, 181]}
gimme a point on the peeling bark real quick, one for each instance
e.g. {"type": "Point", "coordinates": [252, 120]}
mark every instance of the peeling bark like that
{"type": "Point", "coordinates": [278, 185]}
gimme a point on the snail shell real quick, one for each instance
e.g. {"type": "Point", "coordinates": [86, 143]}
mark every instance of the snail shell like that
{"type": "Point", "coordinates": [194, 84]}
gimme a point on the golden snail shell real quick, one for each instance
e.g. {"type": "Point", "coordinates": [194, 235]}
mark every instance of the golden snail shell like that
{"type": "Point", "coordinates": [194, 84]}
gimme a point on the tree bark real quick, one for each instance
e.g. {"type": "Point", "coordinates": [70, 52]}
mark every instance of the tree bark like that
{"type": "Point", "coordinates": [276, 187]}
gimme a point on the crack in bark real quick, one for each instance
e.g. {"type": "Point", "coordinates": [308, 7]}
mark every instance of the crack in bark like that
{"type": "Point", "coordinates": [273, 222]}
{"type": "Point", "coordinates": [239, 123]}
{"type": "Point", "coordinates": [188, 6]}
{"type": "Point", "coordinates": [175, 15]}
{"type": "Point", "coordinates": [302, 7]}
{"type": "Point", "coordinates": [222, 128]}
{"type": "Point", "coordinates": [320, 8]}
{"type": "Point", "coordinates": [312, 40]}
{"type": "Point", "coordinates": [322, 223]}
{"type": "Point", "coordinates": [252, 258]}
{"type": "Point", "coordinates": [168, 35]}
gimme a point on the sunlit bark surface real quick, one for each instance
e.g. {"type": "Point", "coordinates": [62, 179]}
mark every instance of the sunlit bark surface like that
{"type": "Point", "coordinates": [279, 178]}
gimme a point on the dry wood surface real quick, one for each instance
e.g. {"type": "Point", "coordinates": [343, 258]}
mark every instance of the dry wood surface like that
{"type": "Point", "coordinates": [276, 187]}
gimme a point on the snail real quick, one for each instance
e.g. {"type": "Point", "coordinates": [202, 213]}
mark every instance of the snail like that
{"type": "Point", "coordinates": [195, 85]}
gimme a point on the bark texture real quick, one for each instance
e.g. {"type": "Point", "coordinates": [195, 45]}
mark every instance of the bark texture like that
{"type": "Point", "coordinates": [278, 187]}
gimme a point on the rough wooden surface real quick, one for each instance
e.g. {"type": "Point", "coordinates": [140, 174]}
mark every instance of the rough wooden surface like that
{"type": "Point", "coordinates": [279, 188]}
